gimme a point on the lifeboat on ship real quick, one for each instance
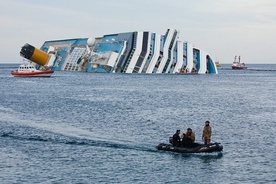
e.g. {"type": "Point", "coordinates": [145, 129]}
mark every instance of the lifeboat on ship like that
{"type": "Point", "coordinates": [28, 70]}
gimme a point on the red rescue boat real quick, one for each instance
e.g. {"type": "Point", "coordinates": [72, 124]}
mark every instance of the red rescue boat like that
{"type": "Point", "coordinates": [28, 70]}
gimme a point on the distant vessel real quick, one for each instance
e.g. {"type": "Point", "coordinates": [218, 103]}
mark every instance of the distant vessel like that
{"type": "Point", "coordinates": [217, 64]}
{"type": "Point", "coordinates": [28, 70]}
{"type": "Point", "coordinates": [237, 65]}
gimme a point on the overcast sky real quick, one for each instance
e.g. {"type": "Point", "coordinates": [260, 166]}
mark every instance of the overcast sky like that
{"type": "Point", "coordinates": [223, 28]}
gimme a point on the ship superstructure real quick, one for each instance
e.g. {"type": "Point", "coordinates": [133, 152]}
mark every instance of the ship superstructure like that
{"type": "Point", "coordinates": [132, 52]}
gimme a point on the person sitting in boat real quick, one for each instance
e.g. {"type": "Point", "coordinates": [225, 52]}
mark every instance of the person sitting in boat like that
{"type": "Point", "coordinates": [188, 138]}
{"type": "Point", "coordinates": [176, 138]}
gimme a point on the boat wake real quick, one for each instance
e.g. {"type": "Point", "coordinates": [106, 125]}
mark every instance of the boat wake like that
{"type": "Point", "coordinates": [17, 126]}
{"type": "Point", "coordinates": [62, 139]}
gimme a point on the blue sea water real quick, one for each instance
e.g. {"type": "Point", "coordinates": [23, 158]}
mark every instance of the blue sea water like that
{"type": "Point", "coordinates": [103, 128]}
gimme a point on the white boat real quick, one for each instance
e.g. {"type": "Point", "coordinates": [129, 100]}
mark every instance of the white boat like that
{"type": "Point", "coordinates": [28, 70]}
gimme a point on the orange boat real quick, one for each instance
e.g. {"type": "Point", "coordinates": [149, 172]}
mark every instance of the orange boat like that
{"type": "Point", "coordinates": [28, 70]}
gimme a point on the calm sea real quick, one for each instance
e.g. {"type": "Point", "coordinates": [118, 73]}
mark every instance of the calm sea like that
{"type": "Point", "coordinates": [103, 128]}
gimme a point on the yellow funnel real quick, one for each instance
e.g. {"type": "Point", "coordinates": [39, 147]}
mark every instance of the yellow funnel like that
{"type": "Point", "coordinates": [34, 54]}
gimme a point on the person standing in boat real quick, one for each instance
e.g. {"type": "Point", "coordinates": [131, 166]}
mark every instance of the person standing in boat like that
{"type": "Point", "coordinates": [206, 134]}
{"type": "Point", "coordinates": [176, 138]}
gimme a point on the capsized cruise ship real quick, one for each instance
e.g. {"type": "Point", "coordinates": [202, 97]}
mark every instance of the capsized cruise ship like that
{"type": "Point", "coordinates": [131, 52]}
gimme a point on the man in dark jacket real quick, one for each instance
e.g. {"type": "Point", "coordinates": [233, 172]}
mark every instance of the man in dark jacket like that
{"type": "Point", "coordinates": [176, 138]}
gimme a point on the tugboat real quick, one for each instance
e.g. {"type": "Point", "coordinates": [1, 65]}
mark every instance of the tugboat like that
{"type": "Point", "coordinates": [28, 70]}
{"type": "Point", "coordinates": [237, 65]}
